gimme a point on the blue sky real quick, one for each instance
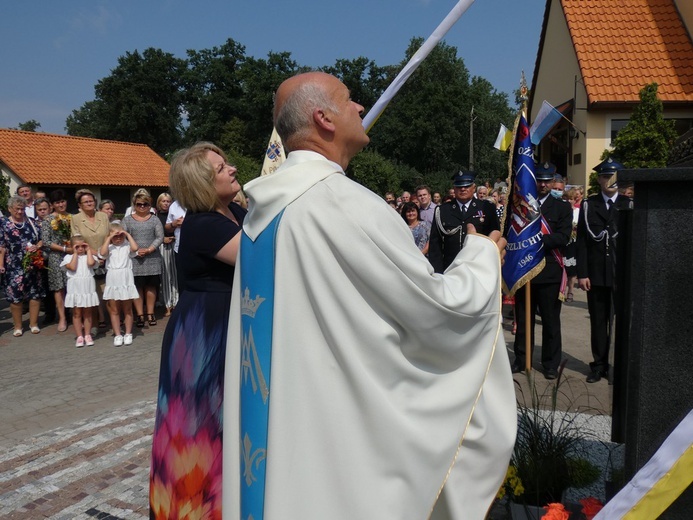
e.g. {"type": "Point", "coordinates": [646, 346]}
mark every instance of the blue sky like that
{"type": "Point", "coordinates": [54, 52]}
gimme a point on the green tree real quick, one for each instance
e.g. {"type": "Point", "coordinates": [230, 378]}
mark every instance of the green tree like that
{"type": "Point", "coordinates": [426, 126]}
{"type": "Point", "coordinates": [4, 191]}
{"type": "Point", "coordinates": [647, 138]}
{"type": "Point", "coordinates": [213, 90]}
{"type": "Point", "coordinates": [248, 168]}
{"type": "Point", "coordinates": [259, 80]}
{"type": "Point", "coordinates": [378, 173]}
{"type": "Point", "coordinates": [139, 102]}
{"type": "Point", "coordinates": [365, 80]}
{"type": "Point", "coordinates": [29, 126]}
{"type": "Point", "coordinates": [490, 110]}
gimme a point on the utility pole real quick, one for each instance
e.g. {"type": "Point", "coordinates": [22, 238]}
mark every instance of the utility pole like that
{"type": "Point", "coordinates": [471, 139]}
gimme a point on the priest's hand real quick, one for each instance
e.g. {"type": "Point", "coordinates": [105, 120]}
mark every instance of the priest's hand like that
{"type": "Point", "coordinates": [495, 236]}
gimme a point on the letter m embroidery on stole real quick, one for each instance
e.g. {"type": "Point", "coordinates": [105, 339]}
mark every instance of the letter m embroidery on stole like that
{"type": "Point", "coordinates": [257, 311]}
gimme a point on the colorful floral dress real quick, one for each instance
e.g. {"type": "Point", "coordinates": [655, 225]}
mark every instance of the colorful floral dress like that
{"type": "Point", "coordinates": [185, 478]}
{"type": "Point", "coordinates": [20, 283]}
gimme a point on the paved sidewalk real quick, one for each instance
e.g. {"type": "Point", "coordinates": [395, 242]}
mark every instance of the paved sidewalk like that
{"type": "Point", "coordinates": [76, 424]}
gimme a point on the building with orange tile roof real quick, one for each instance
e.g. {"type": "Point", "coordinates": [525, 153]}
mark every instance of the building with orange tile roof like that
{"type": "Point", "coordinates": [111, 169]}
{"type": "Point", "coordinates": [594, 58]}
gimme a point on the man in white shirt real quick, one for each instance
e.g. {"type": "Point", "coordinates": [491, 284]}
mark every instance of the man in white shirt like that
{"type": "Point", "coordinates": [174, 220]}
{"type": "Point", "coordinates": [24, 191]}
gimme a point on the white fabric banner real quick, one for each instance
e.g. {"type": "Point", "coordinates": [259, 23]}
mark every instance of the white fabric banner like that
{"type": "Point", "coordinates": [414, 62]}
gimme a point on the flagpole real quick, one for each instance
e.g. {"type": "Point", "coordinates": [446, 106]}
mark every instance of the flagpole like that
{"type": "Point", "coordinates": [414, 62]}
{"type": "Point", "coordinates": [528, 327]}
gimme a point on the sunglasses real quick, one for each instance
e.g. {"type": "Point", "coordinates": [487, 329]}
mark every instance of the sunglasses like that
{"type": "Point", "coordinates": [142, 204]}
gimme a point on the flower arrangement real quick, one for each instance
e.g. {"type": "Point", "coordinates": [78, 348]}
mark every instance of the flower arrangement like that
{"type": "Point", "coordinates": [33, 260]}
{"type": "Point", "coordinates": [512, 485]}
{"type": "Point", "coordinates": [557, 511]}
{"type": "Point", "coordinates": [62, 225]}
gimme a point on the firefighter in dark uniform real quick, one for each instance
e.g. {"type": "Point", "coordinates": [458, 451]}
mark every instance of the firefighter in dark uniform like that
{"type": "Point", "coordinates": [449, 227]}
{"type": "Point", "coordinates": [546, 286]}
{"type": "Point", "coordinates": [596, 261]}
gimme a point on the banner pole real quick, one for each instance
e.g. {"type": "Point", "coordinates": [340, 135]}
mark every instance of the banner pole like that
{"type": "Point", "coordinates": [528, 327]}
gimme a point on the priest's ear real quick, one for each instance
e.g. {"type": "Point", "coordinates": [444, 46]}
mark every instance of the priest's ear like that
{"type": "Point", "coordinates": [323, 120]}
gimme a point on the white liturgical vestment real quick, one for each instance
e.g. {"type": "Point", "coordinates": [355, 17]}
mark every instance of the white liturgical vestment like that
{"type": "Point", "coordinates": [391, 396]}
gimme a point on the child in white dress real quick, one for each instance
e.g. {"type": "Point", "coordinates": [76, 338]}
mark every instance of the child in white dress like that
{"type": "Point", "coordinates": [118, 248]}
{"type": "Point", "coordinates": [81, 289]}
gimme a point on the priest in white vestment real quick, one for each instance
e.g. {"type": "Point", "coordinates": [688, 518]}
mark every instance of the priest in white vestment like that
{"type": "Point", "coordinates": [390, 396]}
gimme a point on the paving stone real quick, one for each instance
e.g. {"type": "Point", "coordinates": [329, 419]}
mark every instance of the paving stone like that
{"type": "Point", "coordinates": [76, 424]}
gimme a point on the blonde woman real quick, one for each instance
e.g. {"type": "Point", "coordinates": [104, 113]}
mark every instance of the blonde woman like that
{"type": "Point", "coordinates": [92, 226]}
{"type": "Point", "coordinates": [190, 402]}
{"type": "Point", "coordinates": [147, 231]}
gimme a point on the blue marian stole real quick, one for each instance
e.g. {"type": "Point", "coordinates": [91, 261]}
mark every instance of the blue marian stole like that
{"type": "Point", "coordinates": [257, 309]}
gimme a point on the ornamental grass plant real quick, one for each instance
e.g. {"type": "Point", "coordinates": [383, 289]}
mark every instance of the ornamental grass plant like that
{"type": "Point", "coordinates": [549, 454]}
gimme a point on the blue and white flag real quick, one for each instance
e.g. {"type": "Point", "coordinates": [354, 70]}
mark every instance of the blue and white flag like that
{"type": "Point", "coordinates": [546, 119]}
{"type": "Point", "coordinates": [524, 256]}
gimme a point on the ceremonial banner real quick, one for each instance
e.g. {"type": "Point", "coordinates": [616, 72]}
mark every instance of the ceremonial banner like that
{"type": "Point", "coordinates": [274, 156]}
{"type": "Point", "coordinates": [414, 62]}
{"type": "Point", "coordinates": [524, 257]}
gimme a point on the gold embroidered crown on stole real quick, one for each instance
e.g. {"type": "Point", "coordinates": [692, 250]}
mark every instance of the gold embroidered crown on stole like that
{"type": "Point", "coordinates": [249, 307]}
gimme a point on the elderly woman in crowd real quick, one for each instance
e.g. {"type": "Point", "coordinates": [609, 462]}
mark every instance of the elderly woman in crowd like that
{"type": "Point", "coordinates": [420, 229]}
{"type": "Point", "coordinates": [190, 401]}
{"type": "Point", "coordinates": [108, 208]}
{"type": "Point", "coordinates": [57, 229]}
{"type": "Point", "coordinates": [169, 282]}
{"type": "Point", "coordinates": [21, 262]}
{"type": "Point", "coordinates": [147, 231]}
{"type": "Point", "coordinates": [93, 226]}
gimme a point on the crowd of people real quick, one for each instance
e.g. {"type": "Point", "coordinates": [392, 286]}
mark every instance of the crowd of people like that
{"type": "Point", "coordinates": [439, 226]}
{"type": "Point", "coordinates": [312, 306]}
{"type": "Point", "coordinates": [87, 267]}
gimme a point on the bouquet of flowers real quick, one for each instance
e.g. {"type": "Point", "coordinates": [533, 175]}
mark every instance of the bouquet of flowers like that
{"type": "Point", "coordinates": [33, 260]}
{"type": "Point", "coordinates": [62, 225]}
{"type": "Point", "coordinates": [557, 511]}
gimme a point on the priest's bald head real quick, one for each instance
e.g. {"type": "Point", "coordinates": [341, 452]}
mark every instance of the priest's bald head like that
{"type": "Point", "coordinates": [314, 111]}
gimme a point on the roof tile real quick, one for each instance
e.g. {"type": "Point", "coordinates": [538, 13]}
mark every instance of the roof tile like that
{"type": "Point", "coordinates": [622, 46]}
{"type": "Point", "coordinates": [43, 158]}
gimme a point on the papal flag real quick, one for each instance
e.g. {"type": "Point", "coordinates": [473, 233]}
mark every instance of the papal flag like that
{"type": "Point", "coordinates": [504, 139]}
{"type": "Point", "coordinates": [275, 155]}
{"type": "Point", "coordinates": [524, 254]}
